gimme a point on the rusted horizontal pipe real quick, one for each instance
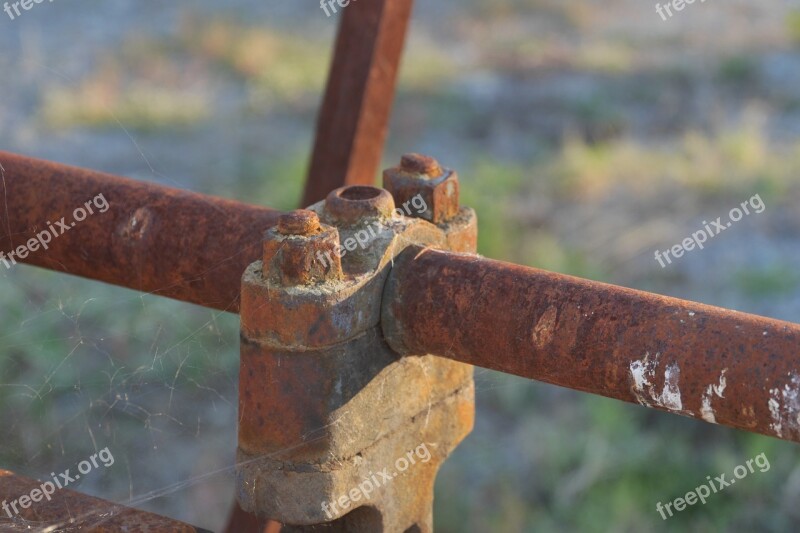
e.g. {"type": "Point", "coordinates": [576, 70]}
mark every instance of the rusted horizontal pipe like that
{"type": "Point", "coordinates": [150, 238]}
{"type": "Point", "coordinates": [718, 365]}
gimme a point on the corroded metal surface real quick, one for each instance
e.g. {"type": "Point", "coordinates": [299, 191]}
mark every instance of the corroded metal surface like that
{"type": "Point", "coordinates": [339, 315]}
{"type": "Point", "coordinates": [240, 521]}
{"type": "Point", "coordinates": [422, 176]}
{"type": "Point", "coordinates": [67, 510]}
{"type": "Point", "coordinates": [351, 205]}
{"type": "Point", "coordinates": [293, 249]}
{"type": "Point", "coordinates": [353, 119]}
{"type": "Point", "coordinates": [324, 402]}
{"type": "Point", "coordinates": [713, 364]}
{"type": "Point", "coordinates": [152, 238]}
{"type": "Point", "coordinates": [352, 124]}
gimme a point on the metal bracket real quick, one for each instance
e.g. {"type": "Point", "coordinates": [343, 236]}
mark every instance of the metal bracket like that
{"type": "Point", "coordinates": [334, 426]}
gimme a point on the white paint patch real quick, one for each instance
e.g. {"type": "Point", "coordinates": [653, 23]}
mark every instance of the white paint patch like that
{"type": "Point", "coordinates": [671, 395]}
{"type": "Point", "coordinates": [706, 411]}
{"type": "Point", "coordinates": [784, 407]}
{"type": "Point", "coordinates": [643, 373]}
{"type": "Point", "coordinates": [775, 411]}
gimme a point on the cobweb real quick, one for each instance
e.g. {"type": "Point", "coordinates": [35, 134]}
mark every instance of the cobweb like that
{"type": "Point", "coordinates": [88, 367]}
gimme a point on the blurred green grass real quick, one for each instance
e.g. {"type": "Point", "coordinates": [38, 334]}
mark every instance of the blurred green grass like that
{"type": "Point", "coordinates": [543, 459]}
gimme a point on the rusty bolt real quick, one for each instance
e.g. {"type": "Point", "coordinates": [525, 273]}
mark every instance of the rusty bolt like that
{"type": "Point", "coordinates": [351, 205]}
{"type": "Point", "coordinates": [300, 250]}
{"type": "Point", "coordinates": [424, 165]}
{"type": "Point", "coordinates": [420, 175]}
{"type": "Point", "coordinates": [300, 222]}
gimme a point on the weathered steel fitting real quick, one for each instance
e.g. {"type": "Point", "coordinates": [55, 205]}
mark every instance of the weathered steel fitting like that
{"type": "Point", "coordinates": [292, 250]}
{"type": "Point", "coordinates": [420, 175]}
{"type": "Point", "coordinates": [420, 164]}
{"type": "Point", "coordinates": [355, 203]}
{"type": "Point", "coordinates": [325, 404]}
{"type": "Point", "coordinates": [301, 223]}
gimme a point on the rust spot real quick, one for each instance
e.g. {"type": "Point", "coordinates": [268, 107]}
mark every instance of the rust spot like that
{"type": "Point", "coordinates": [135, 229]}
{"type": "Point", "coordinates": [543, 331]}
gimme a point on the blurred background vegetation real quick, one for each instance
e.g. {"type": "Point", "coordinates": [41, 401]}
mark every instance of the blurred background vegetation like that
{"type": "Point", "coordinates": [587, 135]}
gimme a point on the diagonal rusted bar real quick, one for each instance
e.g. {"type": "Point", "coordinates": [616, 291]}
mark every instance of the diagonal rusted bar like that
{"type": "Point", "coordinates": [718, 365]}
{"type": "Point", "coordinates": [67, 510]}
{"type": "Point", "coordinates": [151, 238]}
{"type": "Point", "coordinates": [352, 124]}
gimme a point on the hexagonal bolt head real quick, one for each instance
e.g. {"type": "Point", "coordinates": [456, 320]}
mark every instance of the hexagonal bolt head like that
{"type": "Point", "coordinates": [422, 176]}
{"type": "Point", "coordinates": [352, 204]}
{"type": "Point", "coordinates": [300, 250]}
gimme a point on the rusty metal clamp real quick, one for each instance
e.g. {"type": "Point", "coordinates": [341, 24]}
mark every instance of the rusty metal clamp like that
{"type": "Point", "coordinates": [330, 416]}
